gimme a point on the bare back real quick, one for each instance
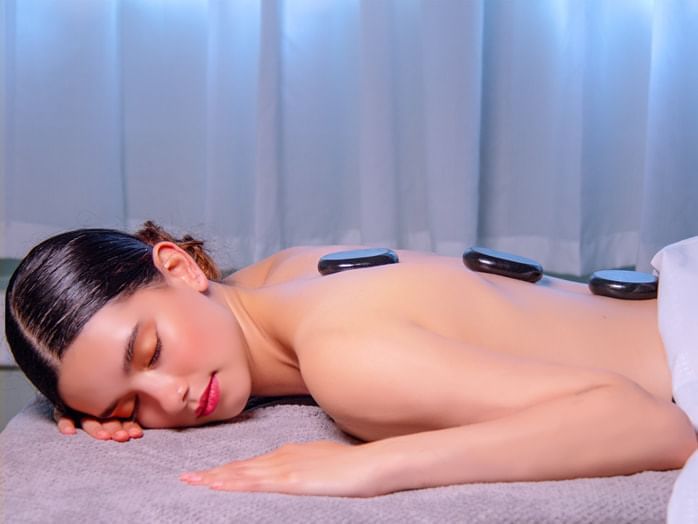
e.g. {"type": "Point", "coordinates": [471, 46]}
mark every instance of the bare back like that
{"type": "Point", "coordinates": [426, 343]}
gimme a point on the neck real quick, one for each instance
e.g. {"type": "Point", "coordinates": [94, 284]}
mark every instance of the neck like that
{"type": "Point", "coordinates": [272, 363]}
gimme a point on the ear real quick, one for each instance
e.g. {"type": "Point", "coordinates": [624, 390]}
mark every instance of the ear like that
{"type": "Point", "coordinates": [178, 267]}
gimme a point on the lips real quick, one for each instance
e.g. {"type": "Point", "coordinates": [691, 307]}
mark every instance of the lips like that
{"type": "Point", "coordinates": [209, 398]}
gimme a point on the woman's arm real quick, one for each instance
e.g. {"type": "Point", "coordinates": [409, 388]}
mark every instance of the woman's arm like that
{"type": "Point", "coordinates": [607, 430]}
{"type": "Point", "coordinates": [505, 419]}
{"type": "Point", "coordinates": [617, 429]}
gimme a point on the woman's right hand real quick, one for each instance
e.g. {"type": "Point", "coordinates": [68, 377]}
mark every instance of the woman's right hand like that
{"type": "Point", "coordinates": [112, 429]}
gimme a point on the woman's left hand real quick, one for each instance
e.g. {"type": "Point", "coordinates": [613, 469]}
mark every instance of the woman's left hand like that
{"type": "Point", "coordinates": [322, 467]}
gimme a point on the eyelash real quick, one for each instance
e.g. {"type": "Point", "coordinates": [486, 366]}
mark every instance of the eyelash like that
{"type": "Point", "coordinates": [156, 355]}
{"type": "Point", "coordinates": [153, 360]}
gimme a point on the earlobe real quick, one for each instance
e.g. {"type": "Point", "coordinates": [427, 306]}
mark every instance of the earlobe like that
{"type": "Point", "coordinates": [178, 267]}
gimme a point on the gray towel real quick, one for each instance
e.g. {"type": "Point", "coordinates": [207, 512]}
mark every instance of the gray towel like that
{"type": "Point", "coordinates": [47, 477]}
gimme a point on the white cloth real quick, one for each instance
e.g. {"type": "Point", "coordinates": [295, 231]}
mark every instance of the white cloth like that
{"type": "Point", "coordinates": [677, 265]}
{"type": "Point", "coordinates": [683, 504]}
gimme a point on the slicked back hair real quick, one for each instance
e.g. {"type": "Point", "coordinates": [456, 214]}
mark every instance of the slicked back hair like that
{"type": "Point", "coordinates": [58, 288]}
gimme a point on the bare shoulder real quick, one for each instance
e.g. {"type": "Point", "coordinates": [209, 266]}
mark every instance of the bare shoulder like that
{"type": "Point", "coordinates": [282, 266]}
{"type": "Point", "coordinates": [394, 377]}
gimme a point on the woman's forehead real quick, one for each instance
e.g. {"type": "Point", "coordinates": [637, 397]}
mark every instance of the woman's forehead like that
{"type": "Point", "coordinates": [123, 309]}
{"type": "Point", "coordinates": [95, 357]}
{"type": "Point", "coordinates": [109, 322]}
{"type": "Point", "coordinates": [104, 338]}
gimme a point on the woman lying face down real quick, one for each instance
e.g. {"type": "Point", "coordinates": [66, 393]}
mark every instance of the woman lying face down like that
{"type": "Point", "coordinates": [448, 376]}
{"type": "Point", "coordinates": [160, 356]}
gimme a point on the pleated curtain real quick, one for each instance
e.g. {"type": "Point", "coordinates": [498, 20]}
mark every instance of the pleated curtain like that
{"type": "Point", "coordinates": [562, 130]}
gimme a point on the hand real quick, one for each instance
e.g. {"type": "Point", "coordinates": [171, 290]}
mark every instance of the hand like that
{"type": "Point", "coordinates": [112, 429]}
{"type": "Point", "coordinates": [322, 467]}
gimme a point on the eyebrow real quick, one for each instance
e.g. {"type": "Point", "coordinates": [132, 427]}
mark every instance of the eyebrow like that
{"type": "Point", "coordinates": [128, 360]}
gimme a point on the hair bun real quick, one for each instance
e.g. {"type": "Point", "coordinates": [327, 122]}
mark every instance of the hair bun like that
{"type": "Point", "coordinates": [151, 234]}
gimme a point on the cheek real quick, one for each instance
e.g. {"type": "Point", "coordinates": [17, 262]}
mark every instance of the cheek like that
{"type": "Point", "coordinates": [152, 417]}
{"type": "Point", "coordinates": [185, 349]}
{"type": "Point", "coordinates": [201, 337]}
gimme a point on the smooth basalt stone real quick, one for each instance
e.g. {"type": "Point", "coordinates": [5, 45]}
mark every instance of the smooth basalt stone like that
{"type": "Point", "coordinates": [487, 260]}
{"type": "Point", "coordinates": [624, 284]}
{"type": "Point", "coordinates": [356, 259]}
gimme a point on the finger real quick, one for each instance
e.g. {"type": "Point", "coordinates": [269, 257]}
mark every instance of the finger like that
{"type": "Point", "coordinates": [207, 475]}
{"type": "Point", "coordinates": [192, 478]}
{"type": "Point", "coordinates": [66, 425]}
{"type": "Point", "coordinates": [268, 481]}
{"type": "Point", "coordinates": [134, 429]}
{"type": "Point", "coordinates": [198, 477]}
{"type": "Point", "coordinates": [95, 429]}
{"type": "Point", "coordinates": [240, 471]}
{"type": "Point", "coordinates": [240, 484]}
{"type": "Point", "coordinates": [243, 465]}
{"type": "Point", "coordinates": [202, 477]}
{"type": "Point", "coordinates": [116, 430]}
{"type": "Point", "coordinates": [208, 479]}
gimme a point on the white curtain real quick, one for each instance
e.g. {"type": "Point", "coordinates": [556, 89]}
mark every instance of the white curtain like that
{"type": "Point", "coordinates": [562, 130]}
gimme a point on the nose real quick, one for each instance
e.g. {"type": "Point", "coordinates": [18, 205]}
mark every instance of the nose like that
{"type": "Point", "coordinates": [171, 393]}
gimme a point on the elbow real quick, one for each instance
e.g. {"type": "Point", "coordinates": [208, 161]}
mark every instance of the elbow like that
{"type": "Point", "coordinates": [680, 440]}
{"type": "Point", "coordinates": [658, 433]}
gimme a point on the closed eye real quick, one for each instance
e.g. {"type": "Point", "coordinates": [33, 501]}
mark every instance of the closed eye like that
{"type": "Point", "coordinates": [153, 361]}
{"type": "Point", "coordinates": [156, 354]}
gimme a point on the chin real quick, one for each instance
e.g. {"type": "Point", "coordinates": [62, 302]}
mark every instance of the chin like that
{"type": "Point", "coordinates": [224, 412]}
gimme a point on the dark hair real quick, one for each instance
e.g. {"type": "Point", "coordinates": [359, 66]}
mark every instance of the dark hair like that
{"type": "Point", "coordinates": [66, 279]}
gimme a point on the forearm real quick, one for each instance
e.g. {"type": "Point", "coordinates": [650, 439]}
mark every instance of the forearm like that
{"type": "Point", "coordinates": [611, 430]}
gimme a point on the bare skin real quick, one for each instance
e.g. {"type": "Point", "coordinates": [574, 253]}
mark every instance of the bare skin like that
{"type": "Point", "coordinates": [449, 376]}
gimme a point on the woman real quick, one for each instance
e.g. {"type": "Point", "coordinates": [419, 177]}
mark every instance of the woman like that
{"type": "Point", "coordinates": [449, 376]}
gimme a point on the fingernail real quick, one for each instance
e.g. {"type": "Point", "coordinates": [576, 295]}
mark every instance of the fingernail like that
{"type": "Point", "coordinates": [135, 432]}
{"type": "Point", "coordinates": [193, 477]}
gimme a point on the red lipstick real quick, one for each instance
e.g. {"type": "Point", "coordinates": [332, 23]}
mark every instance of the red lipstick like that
{"type": "Point", "coordinates": [209, 398]}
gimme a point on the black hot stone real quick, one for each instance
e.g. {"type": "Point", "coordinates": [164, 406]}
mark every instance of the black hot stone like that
{"type": "Point", "coordinates": [623, 284]}
{"type": "Point", "coordinates": [356, 259]}
{"type": "Point", "coordinates": [488, 260]}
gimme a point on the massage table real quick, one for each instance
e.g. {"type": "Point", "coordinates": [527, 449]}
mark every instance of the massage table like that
{"type": "Point", "coordinates": [49, 477]}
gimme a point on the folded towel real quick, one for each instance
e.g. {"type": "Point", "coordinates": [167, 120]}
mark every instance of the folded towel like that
{"type": "Point", "coordinates": [47, 477]}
